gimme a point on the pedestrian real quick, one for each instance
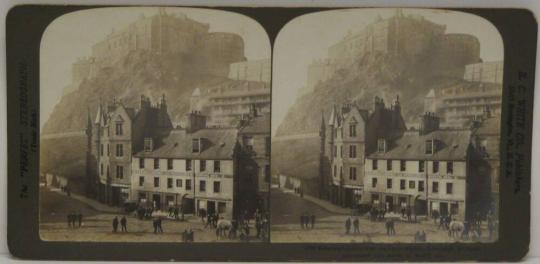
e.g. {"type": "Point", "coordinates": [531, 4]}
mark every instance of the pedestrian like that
{"type": "Point", "coordinates": [408, 213]}
{"type": "Point", "coordinates": [390, 230]}
{"type": "Point", "coordinates": [348, 225]}
{"type": "Point", "coordinates": [312, 221]}
{"type": "Point", "coordinates": [79, 217]}
{"type": "Point", "coordinates": [258, 226]}
{"type": "Point", "coordinates": [356, 224]}
{"type": "Point", "coordinates": [302, 220]}
{"type": "Point", "coordinates": [435, 216]}
{"type": "Point", "coordinates": [155, 224]}
{"type": "Point", "coordinates": [176, 213]}
{"type": "Point", "coordinates": [160, 228]}
{"type": "Point", "coordinates": [442, 220]}
{"type": "Point", "coordinates": [69, 219]}
{"type": "Point", "coordinates": [115, 224]}
{"type": "Point", "coordinates": [123, 223]}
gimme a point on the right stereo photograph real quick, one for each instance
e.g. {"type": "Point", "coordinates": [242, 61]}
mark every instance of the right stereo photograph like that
{"type": "Point", "coordinates": [386, 127]}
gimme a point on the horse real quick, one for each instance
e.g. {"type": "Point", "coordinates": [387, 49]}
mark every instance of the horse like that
{"type": "Point", "coordinates": [223, 226]}
{"type": "Point", "coordinates": [455, 228]}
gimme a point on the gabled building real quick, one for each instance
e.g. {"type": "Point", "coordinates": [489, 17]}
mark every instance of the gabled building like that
{"type": "Point", "coordinates": [116, 133]}
{"type": "Point", "coordinates": [350, 135]}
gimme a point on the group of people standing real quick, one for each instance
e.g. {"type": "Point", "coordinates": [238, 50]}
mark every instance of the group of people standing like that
{"type": "Point", "coordinates": [355, 222]}
{"type": "Point", "coordinates": [72, 218]}
{"type": "Point", "coordinates": [123, 223]}
{"type": "Point", "coordinates": [307, 221]}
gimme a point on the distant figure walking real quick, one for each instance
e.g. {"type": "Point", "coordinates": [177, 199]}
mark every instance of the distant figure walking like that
{"type": "Point", "coordinates": [312, 221]}
{"type": "Point", "coordinates": [356, 224]}
{"type": "Point", "coordinates": [160, 228]}
{"type": "Point", "coordinates": [302, 220]}
{"type": "Point", "coordinates": [348, 225]}
{"type": "Point", "coordinates": [123, 223]}
{"type": "Point", "coordinates": [69, 220]}
{"type": "Point", "coordinates": [115, 224]}
{"type": "Point", "coordinates": [79, 217]}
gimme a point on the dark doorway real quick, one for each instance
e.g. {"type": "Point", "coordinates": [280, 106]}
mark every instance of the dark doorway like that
{"type": "Point", "coordinates": [444, 208]}
{"type": "Point", "coordinates": [420, 207]}
{"type": "Point", "coordinates": [389, 203]}
{"type": "Point", "coordinates": [156, 200]}
{"type": "Point", "coordinates": [211, 207]}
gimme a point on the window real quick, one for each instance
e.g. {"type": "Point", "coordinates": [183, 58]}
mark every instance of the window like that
{"type": "Point", "coordinates": [352, 173]}
{"type": "Point", "coordinates": [429, 146]}
{"type": "Point", "coordinates": [148, 144]}
{"type": "Point", "coordinates": [248, 143]}
{"type": "Point", "coordinates": [373, 182]}
{"type": "Point", "coordinates": [389, 183]}
{"type": "Point", "coordinates": [202, 186]}
{"type": "Point", "coordinates": [411, 184]}
{"type": "Point", "coordinates": [435, 166]}
{"type": "Point", "coordinates": [217, 187]}
{"type": "Point", "coordinates": [196, 147]}
{"type": "Point", "coordinates": [169, 164]}
{"type": "Point", "coordinates": [352, 130]}
{"type": "Point", "coordinates": [179, 183]}
{"type": "Point", "coordinates": [335, 151]}
{"type": "Point", "coordinates": [188, 184]}
{"type": "Point", "coordinates": [420, 186]}
{"type": "Point", "coordinates": [402, 184]}
{"type": "Point", "coordinates": [202, 163]}
{"type": "Point", "coordinates": [435, 187]}
{"type": "Point", "coordinates": [381, 145]}
{"type": "Point", "coordinates": [389, 165]}
{"type": "Point", "coordinates": [188, 165]}
{"type": "Point", "coordinates": [119, 172]}
{"type": "Point", "coordinates": [119, 150]}
{"type": "Point", "coordinates": [119, 130]}
{"type": "Point", "coordinates": [421, 166]}
{"type": "Point", "coordinates": [267, 173]}
{"type": "Point", "coordinates": [156, 182]}
{"type": "Point", "coordinates": [108, 150]}
{"type": "Point", "coordinates": [374, 164]}
{"type": "Point", "coordinates": [141, 180]}
{"type": "Point", "coordinates": [141, 163]}
{"type": "Point", "coordinates": [156, 163]}
{"type": "Point", "coordinates": [268, 146]}
{"type": "Point", "coordinates": [169, 183]}
{"type": "Point", "coordinates": [352, 151]}
{"type": "Point", "coordinates": [402, 165]}
{"type": "Point", "coordinates": [449, 167]}
{"type": "Point", "coordinates": [449, 188]}
{"type": "Point", "coordinates": [101, 150]}
{"type": "Point", "coordinates": [217, 166]}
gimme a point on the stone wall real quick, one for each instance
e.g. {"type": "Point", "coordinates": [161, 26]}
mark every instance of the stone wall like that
{"type": "Point", "coordinates": [256, 70]}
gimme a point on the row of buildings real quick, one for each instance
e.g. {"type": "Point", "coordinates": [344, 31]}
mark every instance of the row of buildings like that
{"type": "Point", "coordinates": [136, 155]}
{"type": "Point", "coordinates": [371, 158]}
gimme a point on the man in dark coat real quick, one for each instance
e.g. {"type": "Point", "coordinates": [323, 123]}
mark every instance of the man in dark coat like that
{"type": "Point", "coordinates": [123, 223]}
{"type": "Point", "coordinates": [79, 217]}
{"type": "Point", "coordinates": [348, 225]}
{"type": "Point", "coordinates": [312, 221]}
{"type": "Point", "coordinates": [115, 224]}
{"type": "Point", "coordinates": [356, 224]}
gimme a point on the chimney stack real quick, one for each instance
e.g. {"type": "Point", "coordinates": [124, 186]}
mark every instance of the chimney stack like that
{"type": "Point", "coordinates": [430, 122]}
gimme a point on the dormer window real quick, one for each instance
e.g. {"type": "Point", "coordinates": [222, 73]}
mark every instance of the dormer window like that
{"type": "Point", "coordinates": [381, 145]}
{"type": "Point", "coordinates": [196, 145]}
{"type": "Point", "coordinates": [352, 130]}
{"type": "Point", "coordinates": [430, 147]}
{"type": "Point", "coordinates": [148, 144]}
{"type": "Point", "coordinates": [119, 130]}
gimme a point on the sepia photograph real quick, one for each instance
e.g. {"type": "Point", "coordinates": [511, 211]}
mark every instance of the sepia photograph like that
{"type": "Point", "coordinates": [154, 126]}
{"type": "Point", "coordinates": [386, 127]}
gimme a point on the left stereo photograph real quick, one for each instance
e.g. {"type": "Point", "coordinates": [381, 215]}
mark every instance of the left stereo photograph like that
{"type": "Point", "coordinates": [155, 126]}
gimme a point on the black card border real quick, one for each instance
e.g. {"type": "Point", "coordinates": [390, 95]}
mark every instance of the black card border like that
{"type": "Point", "coordinates": [25, 25]}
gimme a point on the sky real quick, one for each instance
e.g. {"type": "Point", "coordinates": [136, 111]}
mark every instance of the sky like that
{"type": "Point", "coordinates": [308, 37]}
{"type": "Point", "coordinates": [72, 35]}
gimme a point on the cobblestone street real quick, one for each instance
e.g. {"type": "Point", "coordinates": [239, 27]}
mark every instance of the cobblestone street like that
{"type": "Point", "coordinates": [97, 226]}
{"type": "Point", "coordinates": [330, 227]}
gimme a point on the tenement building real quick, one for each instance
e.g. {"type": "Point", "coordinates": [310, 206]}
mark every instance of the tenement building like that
{"type": "Point", "coordinates": [346, 140]}
{"type": "Point", "coordinates": [430, 169]}
{"type": "Point", "coordinates": [462, 102]}
{"type": "Point", "coordinates": [197, 168]}
{"type": "Point", "coordinates": [116, 134]}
